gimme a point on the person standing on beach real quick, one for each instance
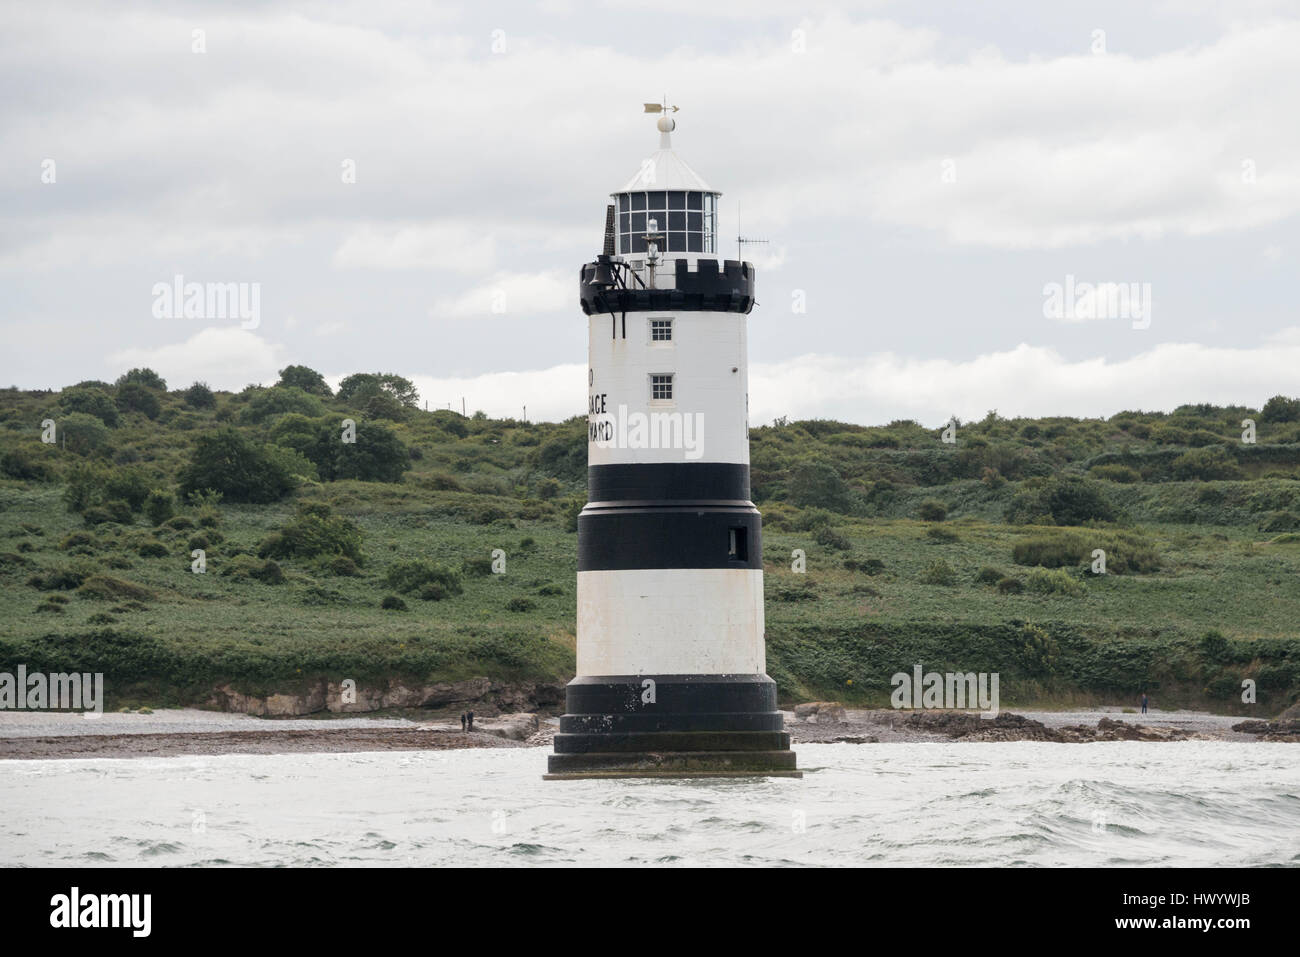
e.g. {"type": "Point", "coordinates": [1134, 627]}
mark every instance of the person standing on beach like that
{"type": "Point", "coordinates": [1144, 702]}
{"type": "Point", "coordinates": [462, 720]}
{"type": "Point", "coordinates": [470, 721]}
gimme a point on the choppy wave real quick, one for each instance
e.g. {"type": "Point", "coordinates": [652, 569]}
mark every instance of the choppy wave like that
{"type": "Point", "coordinates": [1018, 804]}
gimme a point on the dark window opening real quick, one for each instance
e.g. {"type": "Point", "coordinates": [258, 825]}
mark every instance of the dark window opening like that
{"type": "Point", "coordinates": [738, 550]}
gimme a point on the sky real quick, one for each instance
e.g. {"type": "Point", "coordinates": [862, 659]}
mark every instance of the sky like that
{"type": "Point", "coordinates": [411, 187]}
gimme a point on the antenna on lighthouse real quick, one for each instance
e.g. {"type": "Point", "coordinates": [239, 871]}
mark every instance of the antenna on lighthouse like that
{"type": "Point", "coordinates": [741, 239]}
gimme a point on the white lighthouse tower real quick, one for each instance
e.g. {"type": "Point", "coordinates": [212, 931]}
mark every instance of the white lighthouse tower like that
{"type": "Point", "coordinates": [671, 662]}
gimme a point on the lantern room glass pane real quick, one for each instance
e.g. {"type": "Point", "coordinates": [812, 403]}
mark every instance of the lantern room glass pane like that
{"type": "Point", "coordinates": [656, 200]}
{"type": "Point", "coordinates": [677, 242]}
{"type": "Point", "coordinates": [694, 222]}
{"type": "Point", "coordinates": [694, 242]}
{"type": "Point", "coordinates": [676, 220]}
{"type": "Point", "coordinates": [638, 222]}
{"type": "Point", "coordinates": [638, 200]}
{"type": "Point", "coordinates": [693, 200]}
{"type": "Point", "coordinates": [622, 202]}
{"type": "Point", "coordinates": [677, 200]}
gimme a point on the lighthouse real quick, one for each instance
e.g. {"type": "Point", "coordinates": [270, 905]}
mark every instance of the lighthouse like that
{"type": "Point", "coordinates": [671, 661]}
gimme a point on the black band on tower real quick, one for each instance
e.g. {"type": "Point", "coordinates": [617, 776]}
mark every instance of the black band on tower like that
{"type": "Point", "coordinates": [669, 537]}
{"type": "Point", "coordinates": [669, 481]}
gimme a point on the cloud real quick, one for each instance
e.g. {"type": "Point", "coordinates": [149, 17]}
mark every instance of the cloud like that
{"type": "Point", "coordinates": [511, 293]}
{"type": "Point", "coordinates": [226, 357]}
{"type": "Point", "coordinates": [876, 389]}
{"type": "Point", "coordinates": [443, 245]}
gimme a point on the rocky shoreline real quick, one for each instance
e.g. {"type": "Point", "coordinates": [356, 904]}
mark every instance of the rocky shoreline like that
{"type": "Point", "coordinates": [44, 735]}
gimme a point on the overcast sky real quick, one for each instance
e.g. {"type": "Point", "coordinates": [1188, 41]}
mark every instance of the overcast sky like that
{"type": "Point", "coordinates": [923, 171]}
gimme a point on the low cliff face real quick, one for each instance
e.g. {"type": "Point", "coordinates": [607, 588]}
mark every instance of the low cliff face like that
{"type": "Point", "coordinates": [483, 695]}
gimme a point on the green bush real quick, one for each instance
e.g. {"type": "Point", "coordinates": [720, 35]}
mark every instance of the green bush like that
{"type": "Point", "coordinates": [819, 485]}
{"type": "Point", "coordinates": [1053, 581]}
{"type": "Point", "coordinates": [1205, 465]}
{"type": "Point", "coordinates": [1123, 474]}
{"type": "Point", "coordinates": [431, 580]}
{"type": "Point", "coordinates": [134, 397]}
{"type": "Point", "coordinates": [90, 401]}
{"type": "Point", "coordinates": [25, 464]}
{"type": "Point", "coordinates": [1280, 409]}
{"type": "Point", "coordinates": [988, 575]}
{"type": "Point", "coordinates": [1281, 521]}
{"type": "Point", "coordinates": [82, 433]}
{"type": "Point", "coordinates": [306, 379]}
{"type": "Point", "coordinates": [241, 469]}
{"type": "Point", "coordinates": [159, 506]}
{"type": "Point", "coordinates": [314, 531]}
{"type": "Point", "coordinates": [1010, 586]}
{"type": "Point", "coordinates": [280, 401]}
{"type": "Point", "coordinates": [939, 572]}
{"type": "Point", "coordinates": [942, 535]}
{"type": "Point", "coordinates": [521, 604]}
{"type": "Point", "coordinates": [832, 538]}
{"type": "Point", "coordinates": [1060, 500]}
{"type": "Point", "coordinates": [392, 603]}
{"type": "Point", "coordinates": [932, 510]}
{"type": "Point", "coordinates": [145, 377]}
{"type": "Point", "coordinates": [107, 588]}
{"type": "Point", "coordinates": [199, 396]}
{"type": "Point", "coordinates": [152, 549]}
{"type": "Point", "coordinates": [61, 579]}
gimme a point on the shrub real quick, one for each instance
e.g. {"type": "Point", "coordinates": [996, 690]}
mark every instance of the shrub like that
{"type": "Point", "coordinates": [23, 464]}
{"type": "Point", "coordinates": [145, 377]}
{"type": "Point", "coordinates": [152, 549]}
{"type": "Point", "coordinates": [1124, 474]}
{"type": "Point", "coordinates": [832, 538]}
{"type": "Point", "coordinates": [1280, 409]}
{"type": "Point", "coordinates": [279, 401]}
{"type": "Point", "coordinates": [819, 485]}
{"type": "Point", "coordinates": [392, 603]}
{"type": "Point", "coordinates": [314, 531]}
{"type": "Point", "coordinates": [343, 566]}
{"type": "Point", "coordinates": [90, 401]}
{"type": "Point", "coordinates": [269, 573]}
{"type": "Point", "coordinates": [107, 588]}
{"type": "Point", "coordinates": [520, 604]}
{"type": "Point", "coordinates": [199, 396]}
{"type": "Point", "coordinates": [939, 572]}
{"type": "Point", "coordinates": [1060, 500]}
{"type": "Point", "coordinates": [377, 455]}
{"type": "Point", "coordinates": [179, 523]}
{"type": "Point", "coordinates": [549, 590]}
{"type": "Point", "coordinates": [82, 433]}
{"type": "Point", "coordinates": [1050, 551]}
{"type": "Point", "coordinates": [1281, 522]}
{"type": "Point", "coordinates": [988, 575]}
{"type": "Point", "coordinates": [1206, 464]}
{"type": "Point", "coordinates": [1010, 586]}
{"type": "Point", "coordinates": [306, 379]}
{"type": "Point", "coordinates": [941, 535]}
{"type": "Point", "coordinates": [239, 468]}
{"type": "Point", "coordinates": [476, 567]}
{"type": "Point", "coordinates": [932, 510]}
{"type": "Point", "coordinates": [134, 397]}
{"type": "Point", "coordinates": [61, 579]}
{"type": "Point", "coordinates": [159, 506]}
{"type": "Point", "coordinates": [1053, 581]}
{"type": "Point", "coordinates": [422, 575]}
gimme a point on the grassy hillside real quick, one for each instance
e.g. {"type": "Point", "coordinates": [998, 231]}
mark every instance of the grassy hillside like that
{"type": "Point", "coordinates": [372, 558]}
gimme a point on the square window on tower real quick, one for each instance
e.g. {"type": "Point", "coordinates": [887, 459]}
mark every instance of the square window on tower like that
{"type": "Point", "coordinates": [738, 544]}
{"type": "Point", "coordinates": [661, 387]}
{"type": "Point", "coordinates": [661, 330]}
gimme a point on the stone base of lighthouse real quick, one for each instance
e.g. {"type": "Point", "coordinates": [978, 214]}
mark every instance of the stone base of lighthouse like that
{"type": "Point", "coordinates": [695, 726]}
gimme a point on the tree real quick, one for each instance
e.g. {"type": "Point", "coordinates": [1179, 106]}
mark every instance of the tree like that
{"type": "Point", "coordinates": [377, 455]}
{"type": "Point", "coordinates": [278, 400]}
{"type": "Point", "coordinates": [92, 401]}
{"type": "Point", "coordinates": [1281, 409]}
{"type": "Point", "coordinates": [379, 394]}
{"type": "Point", "coordinates": [309, 380]}
{"type": "Point", "coordinates": [241, 469]}
{"type": "Point", "coordinates": [135, 397]}
{"type": "Point", "coordinates": [144, 377]}
{"type": "Point", "coordinates": [82, 433]}
{"type": "Point", "coordinates": [199, 396]}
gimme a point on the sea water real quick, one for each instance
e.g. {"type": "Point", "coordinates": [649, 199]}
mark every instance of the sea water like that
{"type": "Point", "coordinates": [1021, 803]}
